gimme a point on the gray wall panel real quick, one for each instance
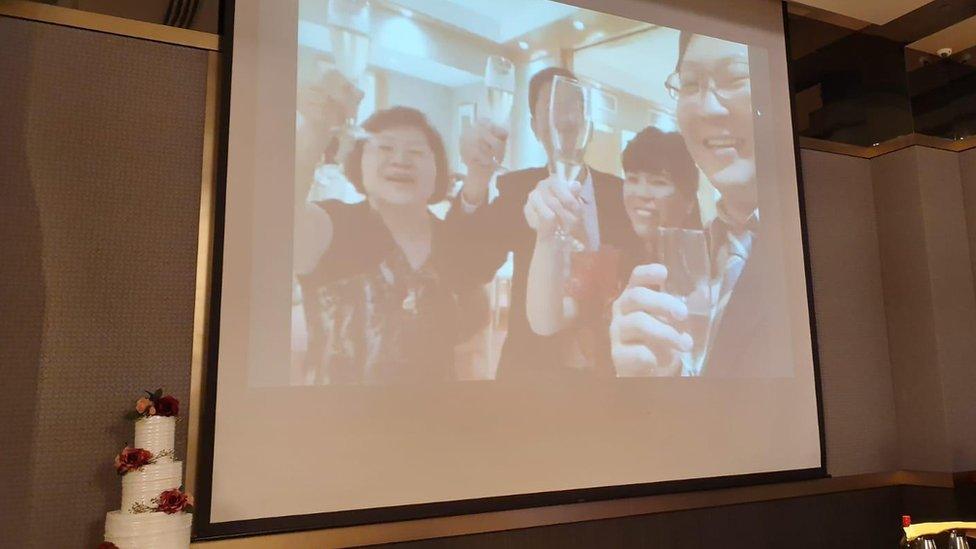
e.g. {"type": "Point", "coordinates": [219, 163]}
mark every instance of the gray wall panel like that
{"type": "Point", "coordinates": [859, 410]}
{"type": "Point", "coordinates": [101, 177]}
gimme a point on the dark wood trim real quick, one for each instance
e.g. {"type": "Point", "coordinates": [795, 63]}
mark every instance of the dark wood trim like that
{"type": "Point", "coordinates": [890, 146]}
{"type": "Point", "coordinates": [563, 514]}
{"type": "Point", "coordinates": [36, 11]}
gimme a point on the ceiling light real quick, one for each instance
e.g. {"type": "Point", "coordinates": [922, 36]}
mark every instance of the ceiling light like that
{"type": "Point", "coordinates": [406, 13]}
{"type": "Point", "coordinates": [523, 45]}
{"type": "Point", "coordinates": [597, 35]}
{"type": "Point", "coordinates": [579, 25]}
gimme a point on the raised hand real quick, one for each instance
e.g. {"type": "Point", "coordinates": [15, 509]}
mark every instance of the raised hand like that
{"type": "Point", "coordinates": [644, 341]}
{"type": "Point", "coordinates": [482, 149]}
{"type": "Point", "coordinates": [553, 203]}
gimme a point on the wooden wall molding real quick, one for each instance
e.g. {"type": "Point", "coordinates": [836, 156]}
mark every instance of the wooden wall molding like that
{"type": "Point", "coordinates": [109, 24]}
{"type": "Point", "coordinates": [889, 146]}
{"type": "Point", "coordinates": [562, 514]}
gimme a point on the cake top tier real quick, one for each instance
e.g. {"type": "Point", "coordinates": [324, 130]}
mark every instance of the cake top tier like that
{"type": "Point", "coordinates": [156, 434]}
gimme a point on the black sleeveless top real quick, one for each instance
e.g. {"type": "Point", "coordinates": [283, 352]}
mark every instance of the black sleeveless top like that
{"type": "Point", "coordinates": [371, 317]}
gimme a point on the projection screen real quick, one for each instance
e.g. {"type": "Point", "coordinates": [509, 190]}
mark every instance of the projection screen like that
{"type": "Point", "coordinates": [485, 254]}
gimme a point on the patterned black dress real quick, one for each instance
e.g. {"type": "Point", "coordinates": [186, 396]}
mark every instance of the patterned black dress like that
{"type": "Point", "coordinates": [372, 318]}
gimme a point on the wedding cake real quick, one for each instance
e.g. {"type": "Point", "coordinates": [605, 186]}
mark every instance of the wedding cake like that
{"type": "Point", "coordinates": [155, 510]}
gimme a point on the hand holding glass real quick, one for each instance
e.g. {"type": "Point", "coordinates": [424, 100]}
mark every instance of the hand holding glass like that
{"type": "Point", "coordinates": [569, 132]}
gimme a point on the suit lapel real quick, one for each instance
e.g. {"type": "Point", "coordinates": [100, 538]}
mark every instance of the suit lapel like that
{"type": "Point", "coordinates": [734, 340]}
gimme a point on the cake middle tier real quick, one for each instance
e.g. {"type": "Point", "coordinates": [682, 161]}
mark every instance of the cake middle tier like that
{"type": "Point", "coordinates": [143, 485]}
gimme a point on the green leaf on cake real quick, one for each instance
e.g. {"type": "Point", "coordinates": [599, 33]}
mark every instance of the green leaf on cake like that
{"type": "Point", "coordinates": [157, 395]}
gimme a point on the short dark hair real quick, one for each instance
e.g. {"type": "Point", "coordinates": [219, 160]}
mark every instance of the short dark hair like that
{"type": "Point", "coordinates": [402, 117]}
{"type": "Point", "coordinates": [656, 151]}
{"type": "Point", "coordinates": [540, 79]}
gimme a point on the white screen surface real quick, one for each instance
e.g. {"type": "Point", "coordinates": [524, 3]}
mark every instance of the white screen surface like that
{"type": "Point", "coordinates": [327, 439]}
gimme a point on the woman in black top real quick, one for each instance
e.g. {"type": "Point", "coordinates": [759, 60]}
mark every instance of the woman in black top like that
{"type": "Point", "coordinates": [379, 290]}
{"type": "Point", "coordinates": [660, 190]}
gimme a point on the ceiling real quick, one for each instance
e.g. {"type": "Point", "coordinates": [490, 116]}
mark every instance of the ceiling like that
{"type": "Point", "coordinates": [613, 62]}
{"type": "Point", "coordinates": [492, 20]}
{"type": "Point", "coordinates": [959, 37]}
{"type": "Point", "coordinates": [878, 12]}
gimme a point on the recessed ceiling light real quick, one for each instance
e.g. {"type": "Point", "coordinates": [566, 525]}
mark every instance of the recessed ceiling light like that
{"type": "Point", "coordinates": [579, 25]}
{"type": "Point", "coordinates": [405, 12]}
{"type": "Point", "coordinates": [523, 45]}
{"type": "Point", "coordinates": [597, 35]}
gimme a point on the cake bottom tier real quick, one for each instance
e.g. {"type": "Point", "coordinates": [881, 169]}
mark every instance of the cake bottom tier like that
{"type": "Point", "coordinates": [148, 530]}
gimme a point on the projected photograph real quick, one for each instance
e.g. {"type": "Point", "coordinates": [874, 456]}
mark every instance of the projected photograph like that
{"type": "Point", "coordinates": [565, 193]}
{"type": "Point", "coordinates": [487, 254]}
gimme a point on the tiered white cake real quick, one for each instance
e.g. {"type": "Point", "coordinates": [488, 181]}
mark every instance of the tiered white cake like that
{"type": "Point", "coordinates": [150, 529]}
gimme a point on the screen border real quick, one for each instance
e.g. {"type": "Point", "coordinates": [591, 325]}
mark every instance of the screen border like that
{"type": "Point", "coordinates": [204, 529]}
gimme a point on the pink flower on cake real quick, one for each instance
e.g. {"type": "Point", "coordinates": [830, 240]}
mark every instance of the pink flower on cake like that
{"type": "Point", "coordinates": [173, 501]}
{"type": "Point", "coordinates": [143, 404]}
{"type": "Point", "coordinates": [167, 406]}
{"type": "Point", "coordinates": [132, 458]}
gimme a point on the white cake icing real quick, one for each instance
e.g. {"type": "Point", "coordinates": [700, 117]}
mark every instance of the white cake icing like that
{"type": "Point", "coordinates": [144, 484]}
{"type": "Point", "coordinates": [156, 434]}
{"type": "Point", "coordinates": [150, 530]}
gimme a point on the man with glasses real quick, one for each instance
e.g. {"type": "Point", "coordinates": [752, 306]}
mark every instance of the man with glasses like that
{"type": "Point", "coordinates": [712, 87]}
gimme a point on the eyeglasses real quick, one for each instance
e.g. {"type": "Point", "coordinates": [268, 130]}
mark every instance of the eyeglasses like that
{"type": "Point", "coordinates": [724, 84]}
{"type": "Point", "coordinates": [387, 149]}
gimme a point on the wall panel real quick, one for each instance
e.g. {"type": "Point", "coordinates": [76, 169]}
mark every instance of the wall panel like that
{"type": "Point", "coordinates": [855, 368]}
{"type": "Point", "coordinates": [100, 200]}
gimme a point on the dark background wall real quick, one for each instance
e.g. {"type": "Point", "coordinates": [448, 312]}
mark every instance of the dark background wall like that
{"type": "Point", "coordinates": [102, 140]}
{"type": "Point", "coordinates": [101, 166]}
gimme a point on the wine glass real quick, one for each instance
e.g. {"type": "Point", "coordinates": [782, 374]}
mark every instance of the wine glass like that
{"type": "Point", "coordinates": [685, 253]}
{"type": "Point", "coordinates": [349, 28]}
{"type": "Point", "coordinates": [570, 125]}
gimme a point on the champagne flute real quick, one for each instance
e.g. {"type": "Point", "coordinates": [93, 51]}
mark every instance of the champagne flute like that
{"type": "Point", "coordinates": [570, 126]}
{"type": "Point", "coordinates": [500, 89]}
{"type": "Point", "coordinates": [685, 253]}
{"type": "Point", "coordinates": [349, 28]}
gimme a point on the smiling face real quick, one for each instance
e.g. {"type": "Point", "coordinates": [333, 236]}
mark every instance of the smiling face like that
{"type": "Point", "coordinates": [398, 167]}
{"type": "Point", "coordinates": [715, 115]}
{"type": "Point", "coordinates": [652, 201]}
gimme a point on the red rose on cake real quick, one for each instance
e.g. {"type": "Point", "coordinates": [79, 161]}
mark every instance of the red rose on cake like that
{"type": "Point", "coordinates": [174, 501]}
{"type": "Point", "coordinates": [167, 406]}
{"type": "Point", "coordinates": [130, 459]}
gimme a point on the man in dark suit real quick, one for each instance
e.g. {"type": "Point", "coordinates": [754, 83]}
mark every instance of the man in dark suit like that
{"type": "Point", "coordinates": [593, 205]}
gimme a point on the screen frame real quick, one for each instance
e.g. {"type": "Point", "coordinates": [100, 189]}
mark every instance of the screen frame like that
{"type": "Point", "coordinates": [205, 529]}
